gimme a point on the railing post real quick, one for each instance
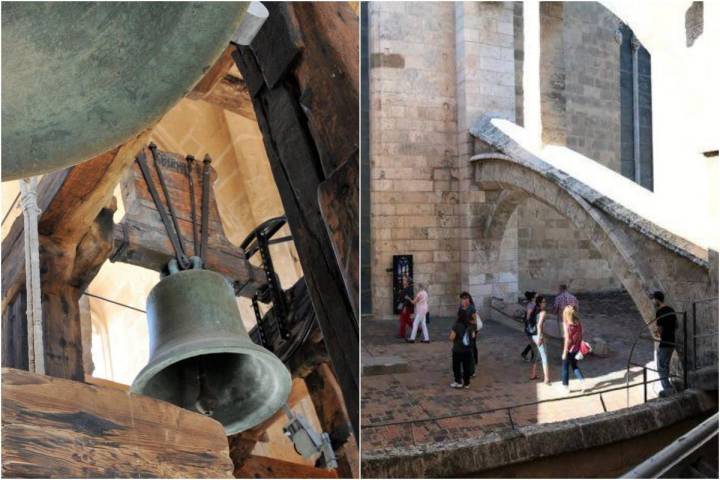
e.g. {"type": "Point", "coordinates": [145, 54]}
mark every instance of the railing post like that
{"type": "Point", "coordinates": [685, 352]}
{"type": "Point", "coordinates": [644, 384]}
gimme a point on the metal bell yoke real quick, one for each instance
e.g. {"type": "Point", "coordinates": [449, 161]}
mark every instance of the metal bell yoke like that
{"type": "Point", "coordinates": [201, 357]}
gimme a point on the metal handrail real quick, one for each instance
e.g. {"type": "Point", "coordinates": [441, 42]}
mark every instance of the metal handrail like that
{"type": "Point", "coordinates": [672, 455]}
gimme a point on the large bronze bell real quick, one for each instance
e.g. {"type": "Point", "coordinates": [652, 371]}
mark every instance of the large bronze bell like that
{"type": "Point", "coordinates": [79, 78]}
{"type": "Point", "coordinates": [201, 357]}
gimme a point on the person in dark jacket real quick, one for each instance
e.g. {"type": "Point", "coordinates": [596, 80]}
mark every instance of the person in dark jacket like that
{"type": "Point", "coordinates": [529, 308]}
{"type": "Point", "coordinates": [467, 308]}
{"type": "Point", "coordinates": [463, 337]}
{"type": "Point", "coordinates": [665, 324]}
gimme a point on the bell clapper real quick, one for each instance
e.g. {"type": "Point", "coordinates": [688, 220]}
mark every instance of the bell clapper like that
{"type": "Point", "coordinates": [206, 400]}
{"type": "Point", "coordinates": [307, 441]}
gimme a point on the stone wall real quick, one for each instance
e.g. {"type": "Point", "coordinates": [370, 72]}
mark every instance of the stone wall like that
{"type": "Point", "coordinates": [413, 148]}
{"type": "Point", "coordinates": [551, 252]}
{"type": "Point", "coordinates": [580, 105]}
{"type": "Point", "coordinates": [486, 78]}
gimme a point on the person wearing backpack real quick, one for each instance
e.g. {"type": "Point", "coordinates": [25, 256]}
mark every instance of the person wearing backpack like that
{"type": "Point", "coordinates": [529, 307]}
{"type": "Point", "coordinates": [463, 337]}
{"type": "Point", "coordinates": [534, 329]}
{"type": "Point", "coordinates": [467, 307]}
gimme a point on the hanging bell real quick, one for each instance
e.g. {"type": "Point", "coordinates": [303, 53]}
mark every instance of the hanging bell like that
{"type": "Point", "coordinates": [80, 78]}
{"type": "Point", "coordinates": [201, 357]}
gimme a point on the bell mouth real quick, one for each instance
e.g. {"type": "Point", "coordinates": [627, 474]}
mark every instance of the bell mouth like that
{"type": "Point", "coordinates": [240, 387]}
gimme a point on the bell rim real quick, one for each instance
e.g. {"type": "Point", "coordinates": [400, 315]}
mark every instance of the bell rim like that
{"type": "Point", "coordinates": [167, 358]}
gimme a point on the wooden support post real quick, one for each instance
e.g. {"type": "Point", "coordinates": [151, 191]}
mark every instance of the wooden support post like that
{"type": "Point", "coordinates": [299, 71]}
{"type": "Point", "coordinates": [75, 238]}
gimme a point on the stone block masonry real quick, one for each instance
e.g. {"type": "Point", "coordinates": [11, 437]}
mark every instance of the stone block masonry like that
{"type": "Point", "coordinates": [413, 150]}
{"type": "Point", "coordinates": [435, 68]}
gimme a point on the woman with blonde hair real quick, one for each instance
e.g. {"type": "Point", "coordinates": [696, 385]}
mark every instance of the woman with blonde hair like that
{"type": "Point", "coordinates": [572, 333]}
{"type": "Point", "coordinates": [421, 308]}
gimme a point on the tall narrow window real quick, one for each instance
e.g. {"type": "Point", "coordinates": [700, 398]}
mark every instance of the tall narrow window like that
{"type": "Point", "coordinates": [635, 110]}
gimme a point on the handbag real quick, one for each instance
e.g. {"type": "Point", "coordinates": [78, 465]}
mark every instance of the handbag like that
{"type": "Point", "coordinates": [585, 349]}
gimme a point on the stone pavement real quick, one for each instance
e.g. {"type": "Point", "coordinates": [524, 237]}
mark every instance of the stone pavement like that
{"type": "Point", "coordinates": [418, 406]}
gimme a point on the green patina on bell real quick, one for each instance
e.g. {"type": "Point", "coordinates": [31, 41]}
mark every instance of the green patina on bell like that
{"type": "Point", "coordinates": [79, 78]}
{"type": "Point", "coordinates": [201, 357]}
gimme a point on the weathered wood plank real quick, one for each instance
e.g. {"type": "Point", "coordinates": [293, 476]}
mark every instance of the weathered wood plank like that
{"type": "Point", "coordinates": [256, 466]}
{"type": "Point", "coordinates": [330, 408]}
{"type": "Point", "coordinates": [339, 200]}
{"type": "Point", "coordinates": [214, 74]}
{"type": "Point", "coordinates": [147, 247]}
{"type": "Point", "coordinates": [56, 428]}
{"type": "Point", "coordinates": [328, 76]}
{"type": "Point", "coordinates": [229, 93]}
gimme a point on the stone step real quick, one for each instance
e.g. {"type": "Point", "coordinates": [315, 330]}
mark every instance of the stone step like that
{"type": "Point", "coordinates": [383, 365]}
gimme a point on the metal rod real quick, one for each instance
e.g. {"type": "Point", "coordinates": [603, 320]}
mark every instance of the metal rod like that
{"type": "Point", "coordinates": [190, 174]}
{"type": "Point", "coordinates": [205, 208]}
{"type": "Point", "coordinates": [140, 159]}
{"type": "Point", "coordinates": [114, 302]}
{"type": "Point", "coordinates": [161, 178]}
{"type": "Point", "coordinates": [12, 205]}
{"type": "Point", "coordinates": [672, 455]}
{"type": "Point", "coordinates": [644, 384]}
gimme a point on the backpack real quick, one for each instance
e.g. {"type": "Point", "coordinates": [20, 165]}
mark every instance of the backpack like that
{"type": "Point", "coordinates": [531, 323]}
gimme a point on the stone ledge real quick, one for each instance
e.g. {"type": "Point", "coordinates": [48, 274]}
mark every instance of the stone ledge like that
{"type": "Point", "coordinates": [448, 459]}
{"type": "Point", "coordinates": [383, 365]}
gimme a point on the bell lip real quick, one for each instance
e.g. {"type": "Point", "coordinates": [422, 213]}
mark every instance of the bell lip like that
{"type": "Point", "coordinates": [168, 358]}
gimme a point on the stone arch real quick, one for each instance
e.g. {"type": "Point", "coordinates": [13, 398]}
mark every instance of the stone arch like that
{"type": "Point", "coordinates": [640, 264]}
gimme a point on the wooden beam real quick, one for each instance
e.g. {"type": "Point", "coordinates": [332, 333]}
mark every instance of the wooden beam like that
{"type": "Point", "coordinates": [256, 466]}
{"type": "Point", "coordinates": [330, 407]}
{"type": "Point", "coordinates": [328, 77]}
{"type": "Point", "coordinates": [75, 229]}
{"type": "Point", "coordinates": [70, 201]}
{"type": "Point", "coordinates": [141, 238]}
{"type": "Point", "coordinates": [339, 197]}
{"type": "Point", "coordinates": [231, 94]}
{"type": "Point", "coordinates": [304, 152]}
{"type": "Point", "coordinates": [214, 74]}
{"type": "Point", "coordinates": [146, 246]}
{"type": "Point", "coordinates": [56, 428]}
{"type": "Point", "coordinates": [218, 87]}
